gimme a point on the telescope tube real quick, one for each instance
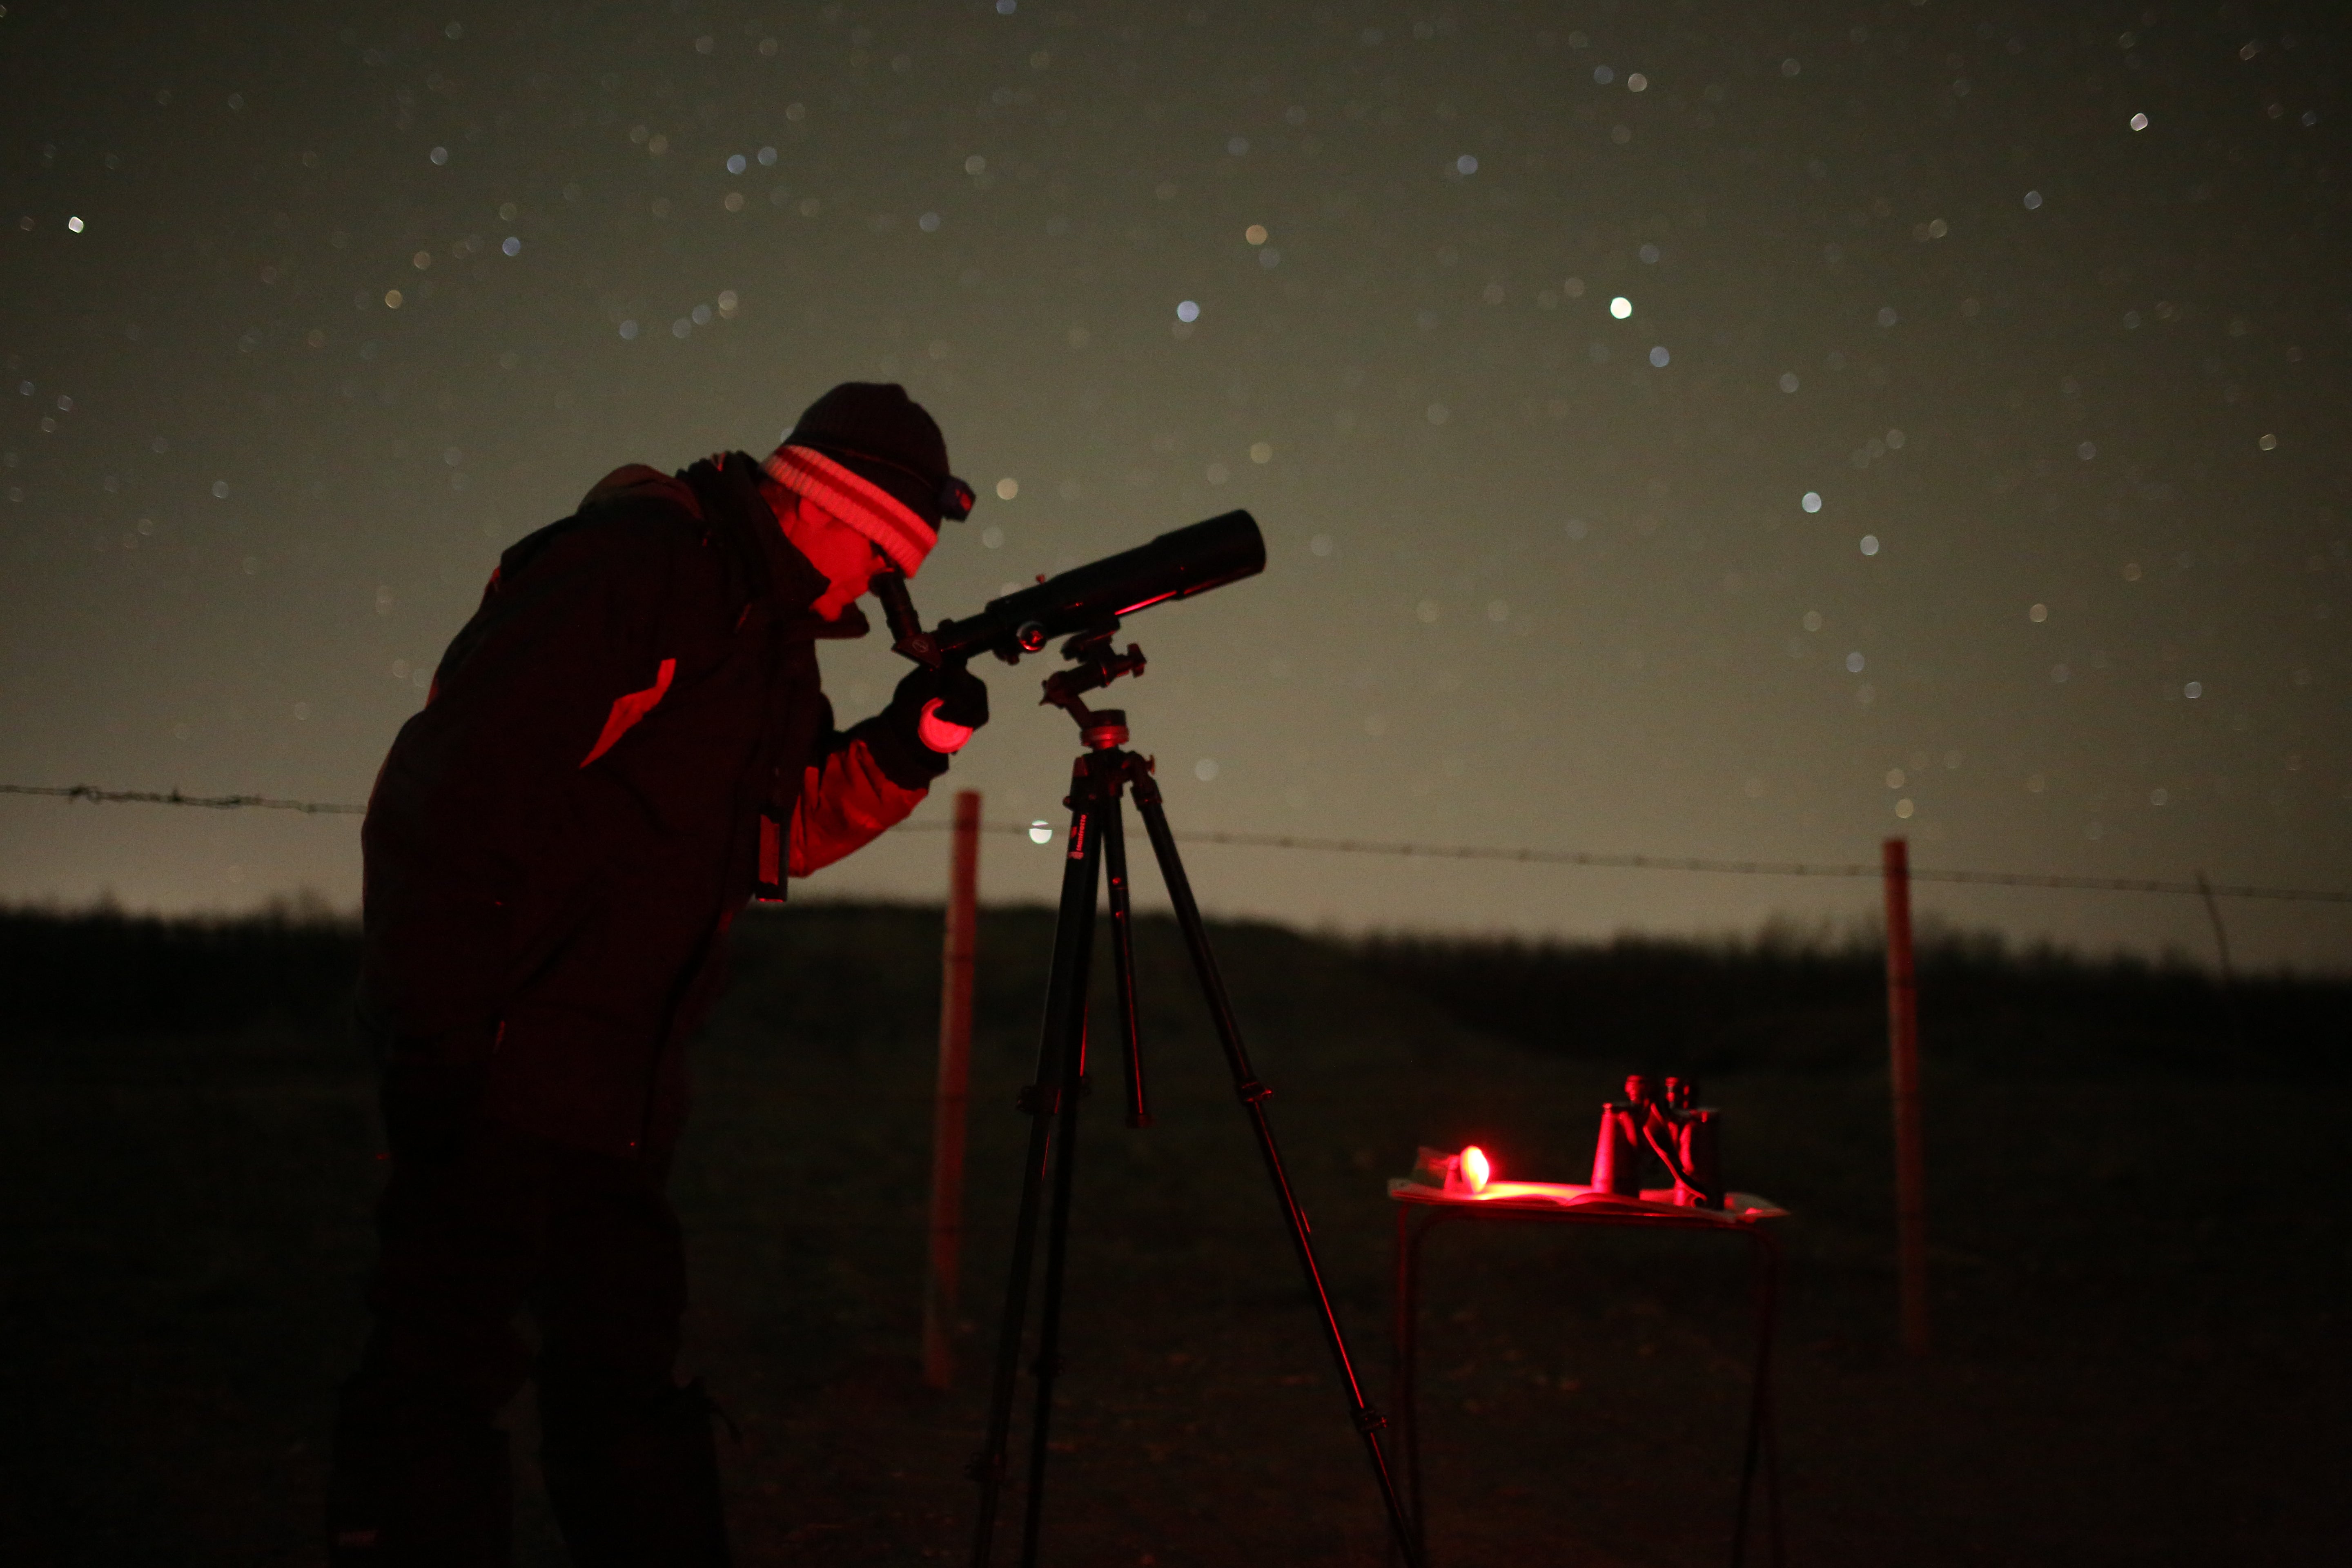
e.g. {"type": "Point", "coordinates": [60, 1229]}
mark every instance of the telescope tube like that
{"type": "Point", "coordinates": [1096, 596]}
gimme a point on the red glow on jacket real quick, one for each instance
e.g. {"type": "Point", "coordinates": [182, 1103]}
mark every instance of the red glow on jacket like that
{"type": "Point", "coordinates": [846, 801]}
{"type": "Point", "coordinates": [627, 711]}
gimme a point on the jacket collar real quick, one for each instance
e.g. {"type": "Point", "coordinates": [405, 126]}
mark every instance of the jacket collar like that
{"type": "Point", "coordinates": [728, 484]}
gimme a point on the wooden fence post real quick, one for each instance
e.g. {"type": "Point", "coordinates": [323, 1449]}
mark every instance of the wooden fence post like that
{"type": "Point", "coordinates": [940, 1278]}
{"type": "Point", "coordinates": [1910, 1152]}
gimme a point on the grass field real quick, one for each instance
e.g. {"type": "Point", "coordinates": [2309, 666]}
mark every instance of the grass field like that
{"type": "Point", "coordinates": [2140, 1252]}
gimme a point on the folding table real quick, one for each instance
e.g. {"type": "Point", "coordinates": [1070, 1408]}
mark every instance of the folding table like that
{"type": "Point", "coordinates": [1421, 1209]}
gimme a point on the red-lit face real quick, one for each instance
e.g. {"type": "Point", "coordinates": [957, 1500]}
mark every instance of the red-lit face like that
{"type": "Point", "coordinates": [848, 558]}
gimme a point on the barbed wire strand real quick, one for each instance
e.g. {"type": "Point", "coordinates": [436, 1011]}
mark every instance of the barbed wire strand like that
{"type": "Point", "coordinates": [173, 797]}
{"type": "Point", "coordinates": [1588, 858]}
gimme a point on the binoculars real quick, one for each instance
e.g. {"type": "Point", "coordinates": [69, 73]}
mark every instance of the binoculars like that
{"type": "Point", "coordinates": [1685, 1137]}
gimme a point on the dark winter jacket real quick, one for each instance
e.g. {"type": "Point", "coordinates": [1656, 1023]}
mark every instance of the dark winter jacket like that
{"type": "Point", "coordinates": [626, 743]}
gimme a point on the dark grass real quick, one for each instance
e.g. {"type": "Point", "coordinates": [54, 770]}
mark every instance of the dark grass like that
{"type": "Point", "coordinates": [1786, 1001]}
{"type": "Point", "coordinates": [1791, 1000]}
{"type": "Point", "coordinates": [2140, 1254]}
{"type": "Point", "coordinates": [102, 973]}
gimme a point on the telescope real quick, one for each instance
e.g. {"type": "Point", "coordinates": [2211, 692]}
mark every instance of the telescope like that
{"type": "Point", "coordinates": [1086, 601]}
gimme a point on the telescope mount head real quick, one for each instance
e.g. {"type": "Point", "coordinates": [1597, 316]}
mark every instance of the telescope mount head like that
{"type": "Point", "coordinates": [1094, 664]}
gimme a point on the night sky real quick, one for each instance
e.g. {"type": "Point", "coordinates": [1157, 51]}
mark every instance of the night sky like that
{"type": "Point", "coordinates": [1743, 430]}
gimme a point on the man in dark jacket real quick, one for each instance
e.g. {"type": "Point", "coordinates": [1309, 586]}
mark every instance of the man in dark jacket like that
{"type": "Point", "coordinates": [626, 745]}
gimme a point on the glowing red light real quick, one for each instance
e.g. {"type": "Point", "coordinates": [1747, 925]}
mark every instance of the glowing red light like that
{"type": "Point", "coordinates": [1477, 1169]}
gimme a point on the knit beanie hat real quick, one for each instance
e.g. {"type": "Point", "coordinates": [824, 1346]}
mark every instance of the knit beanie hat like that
{"type": "Point", "coordinates": [869, 454]}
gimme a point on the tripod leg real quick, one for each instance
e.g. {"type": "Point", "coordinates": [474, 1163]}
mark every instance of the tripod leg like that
{"type": "Point", "coordinates": [1057, 1041]}
{"type": "Point", "coordinates": [1049, 1315]}
{"type": "Point", "coordinates": [1122, 955]}
{"type": "Point", "coordinates": [1252, 1094]}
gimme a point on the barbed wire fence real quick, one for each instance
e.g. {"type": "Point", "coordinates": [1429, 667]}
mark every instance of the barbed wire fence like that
{"type": "Point", "coordinates": [1595, 860]}
{"type": "Point", "coordinates": [173, 797]}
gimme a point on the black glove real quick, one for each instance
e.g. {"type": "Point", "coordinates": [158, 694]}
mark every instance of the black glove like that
{"type": "Point", "coordinates": [938, 709]}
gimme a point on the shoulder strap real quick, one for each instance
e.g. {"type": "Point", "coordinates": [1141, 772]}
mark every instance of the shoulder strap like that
{"type": "Point", "coordinates": [729, 504]}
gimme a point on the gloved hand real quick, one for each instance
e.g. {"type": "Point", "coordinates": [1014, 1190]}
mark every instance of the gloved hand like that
{"type": "Point", "coordinates": [939, 707]}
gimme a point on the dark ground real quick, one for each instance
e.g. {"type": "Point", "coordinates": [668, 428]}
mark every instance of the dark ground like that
{"type": "Point", "coordinates": [2136, 1197]}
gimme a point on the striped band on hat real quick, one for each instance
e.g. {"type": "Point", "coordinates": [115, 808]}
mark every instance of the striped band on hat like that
{"type": "Point", "coordinates": [863, 505]}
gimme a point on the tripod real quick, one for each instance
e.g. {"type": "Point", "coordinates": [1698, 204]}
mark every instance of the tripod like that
{"type": "Point", "coordinates": [1097, 845]}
